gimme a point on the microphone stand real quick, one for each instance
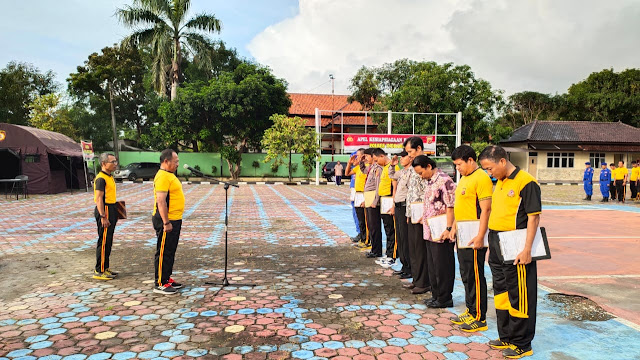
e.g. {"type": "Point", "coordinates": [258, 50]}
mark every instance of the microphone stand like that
{"type": "Point", "coordinates": [225, 281]}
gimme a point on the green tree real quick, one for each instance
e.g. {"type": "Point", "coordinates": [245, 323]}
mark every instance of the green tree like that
{"type": "Point", "coordinates": [20, 85]}
{"type": "Point", "coordinates": [229, 114]}
{"type": "Point", "coordinates": [111, 85]}
{"type": "Point", "coordinates": [288, 136]}
{"type": "Point", "coordinates": [163, 25]}
{"type": "Point", "coordinates": [365, 88]}
{"type": "Point", "coordinates": [606, 96]}
{"type": "Point", "coordinates": [47, 113]}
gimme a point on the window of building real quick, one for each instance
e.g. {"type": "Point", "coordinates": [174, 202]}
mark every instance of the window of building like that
{"type": "Point", "coordinates": [560, 160]}
{"type": "Point", "coordinates": [32, 158]}
{"type": "Point", "coordinates": [596, 159]}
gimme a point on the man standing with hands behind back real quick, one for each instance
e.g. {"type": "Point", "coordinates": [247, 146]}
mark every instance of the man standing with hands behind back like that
{"type": "Point", "coordinates": [167, 221]}
{"type": "Point", "coordinates": [516, 204]}
{"type": "Point", "coordinates": [104, 195]}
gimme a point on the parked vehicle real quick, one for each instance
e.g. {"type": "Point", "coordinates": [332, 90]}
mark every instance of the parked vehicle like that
{"type": "Point", "coordinates": [134, 171]}
{"type": "Point", "coordinates": [448, 168]}
{"type": "Point", "coordinates": [328, 171]}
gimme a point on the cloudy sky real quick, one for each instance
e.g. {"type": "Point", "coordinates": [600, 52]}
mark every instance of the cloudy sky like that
{"type": "Point", "coordinates": [539, 45]}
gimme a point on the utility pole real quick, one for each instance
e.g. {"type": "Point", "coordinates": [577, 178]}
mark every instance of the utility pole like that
{"type": "Point", "coordinates": [116, 148]}
{"type": "Point", "coordinates": [333, 108]}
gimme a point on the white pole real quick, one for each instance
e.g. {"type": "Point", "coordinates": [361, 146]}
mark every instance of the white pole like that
{"type": "Point", "coordinates": [319, 148]}
{"type": "Point", "coordinates": [458, 137]}
{"type": "Point", "coordinates": [389, 116]}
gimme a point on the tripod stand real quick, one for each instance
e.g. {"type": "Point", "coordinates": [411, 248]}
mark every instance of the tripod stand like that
{"type": "Point", "coordinates": [225, 281]}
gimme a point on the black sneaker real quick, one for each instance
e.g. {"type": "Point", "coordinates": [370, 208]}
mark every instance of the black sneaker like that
{"type": "Point", "coordinates": [499, 344]}
{"type": "Point", "coordinates": [515, 352]}
{"type": "Point", "coordinates": [473, 325]}
{"type": "Point", "coordinates": [355, 239]}
{"type": "Point", "coordinates": [462, 318]}
{"type": "Point", "coordinates": [174, 284]}
{"type": "Point", "coordinates": [165, 289]}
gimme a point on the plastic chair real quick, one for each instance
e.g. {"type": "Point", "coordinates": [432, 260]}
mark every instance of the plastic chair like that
{"type": "Point", "coordinates": [20, 186]}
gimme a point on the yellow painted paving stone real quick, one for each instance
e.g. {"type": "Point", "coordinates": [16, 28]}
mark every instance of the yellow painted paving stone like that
{"type": "Point", "coordinates": [54, 284]}
{"type": "Point", "coordinates": [238, 263]}
{"type": "Point", "coordinates": [106, 335]}
{"type": "Point", "coordinates": [321, 276]}
{"type": "Point", "coordinates": [132, 303]}
{"type": "Point", "coordinates": [148, 281]}
{"type": "Point", "coordinates": [234, 328]}
{"type": "Point", "coordinates": [237, 278]}
{"type": "Point", "coordinates": [238, 298]}
{"type": "Point", "coordinates": [19, 307]}
{"type": "Point", "coordinates": [335, 296]}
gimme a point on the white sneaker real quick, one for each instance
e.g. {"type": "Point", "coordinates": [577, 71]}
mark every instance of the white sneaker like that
{"type": "Point", "coordinates": [388, 263]}
{"type": "Point", "coordinates": [382, 260]}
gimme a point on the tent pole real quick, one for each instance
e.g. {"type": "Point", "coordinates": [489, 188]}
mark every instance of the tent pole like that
{"type": "Point", "coordinates": [86, 179]}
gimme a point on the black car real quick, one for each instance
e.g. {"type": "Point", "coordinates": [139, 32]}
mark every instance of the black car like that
{"type": "Point", "coordinates": [134, 171]}
{"type": "Point", "coordinates": [448, 168]}
{"type": "Point", "coordinates": [328, 171]}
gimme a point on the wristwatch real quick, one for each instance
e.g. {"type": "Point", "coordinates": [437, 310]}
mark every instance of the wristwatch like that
{"type": "Point", "coordinates": [167, 223]}
{"type": "Point", "coordinates": [449, 228]}
{"type": "Point", "coordinates": [103, 216]}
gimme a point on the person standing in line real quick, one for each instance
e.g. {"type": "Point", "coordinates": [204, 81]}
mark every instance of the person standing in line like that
{"type": "Point", "coordinates": [400, 188]}
{"type": "Point", "coordinates": [587, 180]}
{"type": "Point", "coordinates": [621, 175]}
{"type": "Point", "coordinates": [167, 221]}
{"type": "Point", "coordinates": [359, 179]}
{"type": "Point", "coordinates": [417, 248]}
{"type": "Point", "coordinates": [372, 210]}
{"type": "Point", "coordinates": [605, 180]}
{"type": "Point", "coordinates": [104, 195]}
{"type": "Point", "coordinates": [633, 180]}
{"type": "Point", "coordinates": [439, 198]}
{"type": "Point", "coordinates": [516, 204]}
{"type": "Point", "coordinates": [385, 190]}
{"type": "Point", "coordinates": [338, 171]}
{"type": "Point", "coordinates": [352, 185]}
{"type": "Point", "coordinates": [473, 203]}
{"type": "Point", "coordinates": [612, 184]}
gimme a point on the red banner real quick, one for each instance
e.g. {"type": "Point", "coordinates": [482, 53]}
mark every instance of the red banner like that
{"type": "Point", "coordinates": [389, 143]}
{"type": "Point", "coordinates": [87, 150]}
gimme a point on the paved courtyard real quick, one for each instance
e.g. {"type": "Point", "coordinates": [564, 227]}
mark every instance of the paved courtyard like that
{"type": "Point", "coordinates": [316, 297]}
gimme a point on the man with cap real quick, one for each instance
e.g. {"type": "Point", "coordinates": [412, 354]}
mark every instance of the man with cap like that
{"type": "Point", "coordinates": [605, 179]}
{"type": "Point", "coordinates": [587, 180]}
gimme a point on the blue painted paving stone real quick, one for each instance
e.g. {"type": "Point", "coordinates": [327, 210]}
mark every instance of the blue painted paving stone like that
{"type": "Point", "coordinates": [267, 348]}
{"type": "Point", "coordinates": [57, 331]}
{"type": "Point", "coordinates": [75, 357]}
{"type": "Point", "coordinates": [356, 344]}
{"type": "Point", "coordinates": [19, 353]}
{"type": "Point", "coordinates": [289, 347]}
{"type": "Point", "coordinates": [437, 348]}
{"type": "Point", "coordinates": [299, 338]}
{"type": "Point", "coordinates": [69, 319]}
{"type": "Point", "coordinates": [150, 317]}
{"type": "Point", "coordinates": [41, 345]}
{"type": "Point", "coordinates": [242, 349]}
{"type": "Point", "coordinates": [220, 351]}
{"type": "Point", "coordinates": [421, 334]}
{"type": "Point", "coordinates": [111, 318]}
{"type": "Point", "coordinates": [209, 313]}
{"type": "Point", "coordinates": [7, 322]}
{"type": "Point", "coordinates": [311, 345]}
{"type": "Point", "coordinates": [173, 353]}
{"type": "Point", "coordinates": [302, 354]}
{"type": "Point", "coordinates": [37, 338]}
{"type": "Point", "coordinates": [409, 322]}
{"type": "Point", "coordinates": [171, 332]}
{"type": "Point", "coordinates": [89, 318]}
{"type": "Point", "coordinates": [190, 314]}
{"type": "Point", "coordinates": [456, 356]}
{"type": "Point", "coordinates": [26, 358]}
{"type": "Point", "coordinates": [438, 340]}
{"type": "Point", "coordinates": [376, 343]}
{"type": "Point", "coordinates": [459, 339]}
{"type": "Point", "coordinates": [164, 346]}
{"type": "Point", "coordinates": [263, 311]}
{"type": "Point", "coordinates": [48, 357]}
{"type": "Point", "coordinates": [419, 341]}
{"type": "Point", "coordinates": [149, 354]}
{"type": "Point", "coordinates": [26, 322]}
{"type": "Point", "coordinates": [333, 345]}
{"type": "Point", "coordinates": [246, 311]}
{"type": "Point", "coordinates": [397, 342]}
{"type": "Point", "coordinates": [100, 356]}
{"type": "Point", "coordinates": [178, 321]}
{"type": "Point", "coordinates": [197, 352]}
{"type": "Point", "coordinates": [125, 355]}
{"type": "Point", "coordinates": [130, 317]}
{"type": "Point", "coordinates": [479, 339]}
{"type": "Point", "coordinates": [185, 326]}
{"type": "Point", "coordinates": [179, 339]}
{"type": "Point", "coordinates": [296, 326]}
{"type": "Point", "coordinates": [45, 321]}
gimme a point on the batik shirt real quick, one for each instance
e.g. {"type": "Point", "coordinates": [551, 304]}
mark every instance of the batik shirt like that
{"type": "Point", "coordinates": [415, 193]}
{"type": "Point", "coordinates": [439, 194]}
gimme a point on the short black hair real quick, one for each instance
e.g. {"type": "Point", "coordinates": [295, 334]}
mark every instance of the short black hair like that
{"type": "Point", "coordinates": [368, 151]}
{"type": "Point", "coordinates": [622, 161]}
{"type": "Point", "coordinates": [403, 153]}
{"type": "Point", "coordinates": [414, 142]}
{"type": "Point", "coordinates": [494, 153]}
{"type": "Point", "coordinates": [423, 161]}
{"type": "Point", "coordinates": [166, 154]}
{"type": "Point", "coordinates": [361, 150]}
{"type": "Point", "coordinates": [378, 152]}
{"type": "Point", "coordinates": [464, 153]}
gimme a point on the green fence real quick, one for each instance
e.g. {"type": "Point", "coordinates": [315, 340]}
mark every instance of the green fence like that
{"type": "Point", "coordinates": [206, 162]}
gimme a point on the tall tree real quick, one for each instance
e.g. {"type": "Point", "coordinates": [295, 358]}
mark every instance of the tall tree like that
{"type": "Point", "coordinates": [288, 136]}
{"type": "Point", "coordinates": [20, 85]}
{"type": "Point", "coordinates": [164, 26]}
{"type": "Point", "coordinates": [607, 96]}
{"type": "Point", "coordinates": [229, 114]}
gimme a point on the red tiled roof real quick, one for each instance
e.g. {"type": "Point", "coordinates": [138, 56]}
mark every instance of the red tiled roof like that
{"type": "Point", "coordinates": [306, 104]}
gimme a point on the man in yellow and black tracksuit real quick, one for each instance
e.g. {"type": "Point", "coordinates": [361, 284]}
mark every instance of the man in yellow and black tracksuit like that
{"type": "Point", "coordinates": [516, 204]}
{"type": "Point", "coordinates": [167, 221]}
{"type": "Point", "coordinates": [633, 180]}
{"type": "Point", "coordinates": [104, 195]}
{"type": "Point", "coordinates": [473, 203]}
{"type": "Point", "coordinates": [621, 175]}
{"type": "Point", "coordinates": [385, 190]}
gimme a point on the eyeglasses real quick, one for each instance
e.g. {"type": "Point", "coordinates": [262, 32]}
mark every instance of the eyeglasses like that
{"type": "Point", "coordinates": [113, 162]}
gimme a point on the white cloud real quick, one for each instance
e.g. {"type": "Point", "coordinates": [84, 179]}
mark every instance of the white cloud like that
{"type": "Point", "coordinates": [517, 45]}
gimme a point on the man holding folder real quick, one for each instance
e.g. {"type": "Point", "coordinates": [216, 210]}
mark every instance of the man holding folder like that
{"type": "Point", "coordinates": [516, 204]}
{"type": "Point", "coordinates": [473, 203]}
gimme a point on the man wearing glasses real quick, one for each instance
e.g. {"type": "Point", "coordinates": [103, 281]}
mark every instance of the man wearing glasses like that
{"type": "Point", "coordinates": [104, 195]}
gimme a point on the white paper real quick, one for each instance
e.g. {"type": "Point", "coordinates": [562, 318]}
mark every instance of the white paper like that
{"type": "Point", "coordinates": [352, 197]}
{"type": "Point", "coordinates": [466, 231]}
{"type": "Point", "coordinates": [437, 225]}
{"type": "Point", "coordinates": [417, 210]}
{"type": "Point", "coordinates": [358, 199]}
{"type": "Point", "coordinates": [512, 243]}
{"type": "Point", "coordinates": [386, 204]}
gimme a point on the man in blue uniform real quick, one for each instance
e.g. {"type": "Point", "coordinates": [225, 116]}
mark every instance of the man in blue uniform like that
{"type": "Point", "coordinates": [587, 179]}
{"type": "Point", "coordinates": [605, 179]}
{"type": "Point", "coordinates": [352, 185]}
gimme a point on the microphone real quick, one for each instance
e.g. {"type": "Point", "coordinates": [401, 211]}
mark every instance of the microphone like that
{"type": "Point", "coordinates": [194, 171]}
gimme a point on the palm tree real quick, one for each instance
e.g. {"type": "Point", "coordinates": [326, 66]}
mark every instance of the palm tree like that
{"type": "Point", "coordinates": [163, 25]}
